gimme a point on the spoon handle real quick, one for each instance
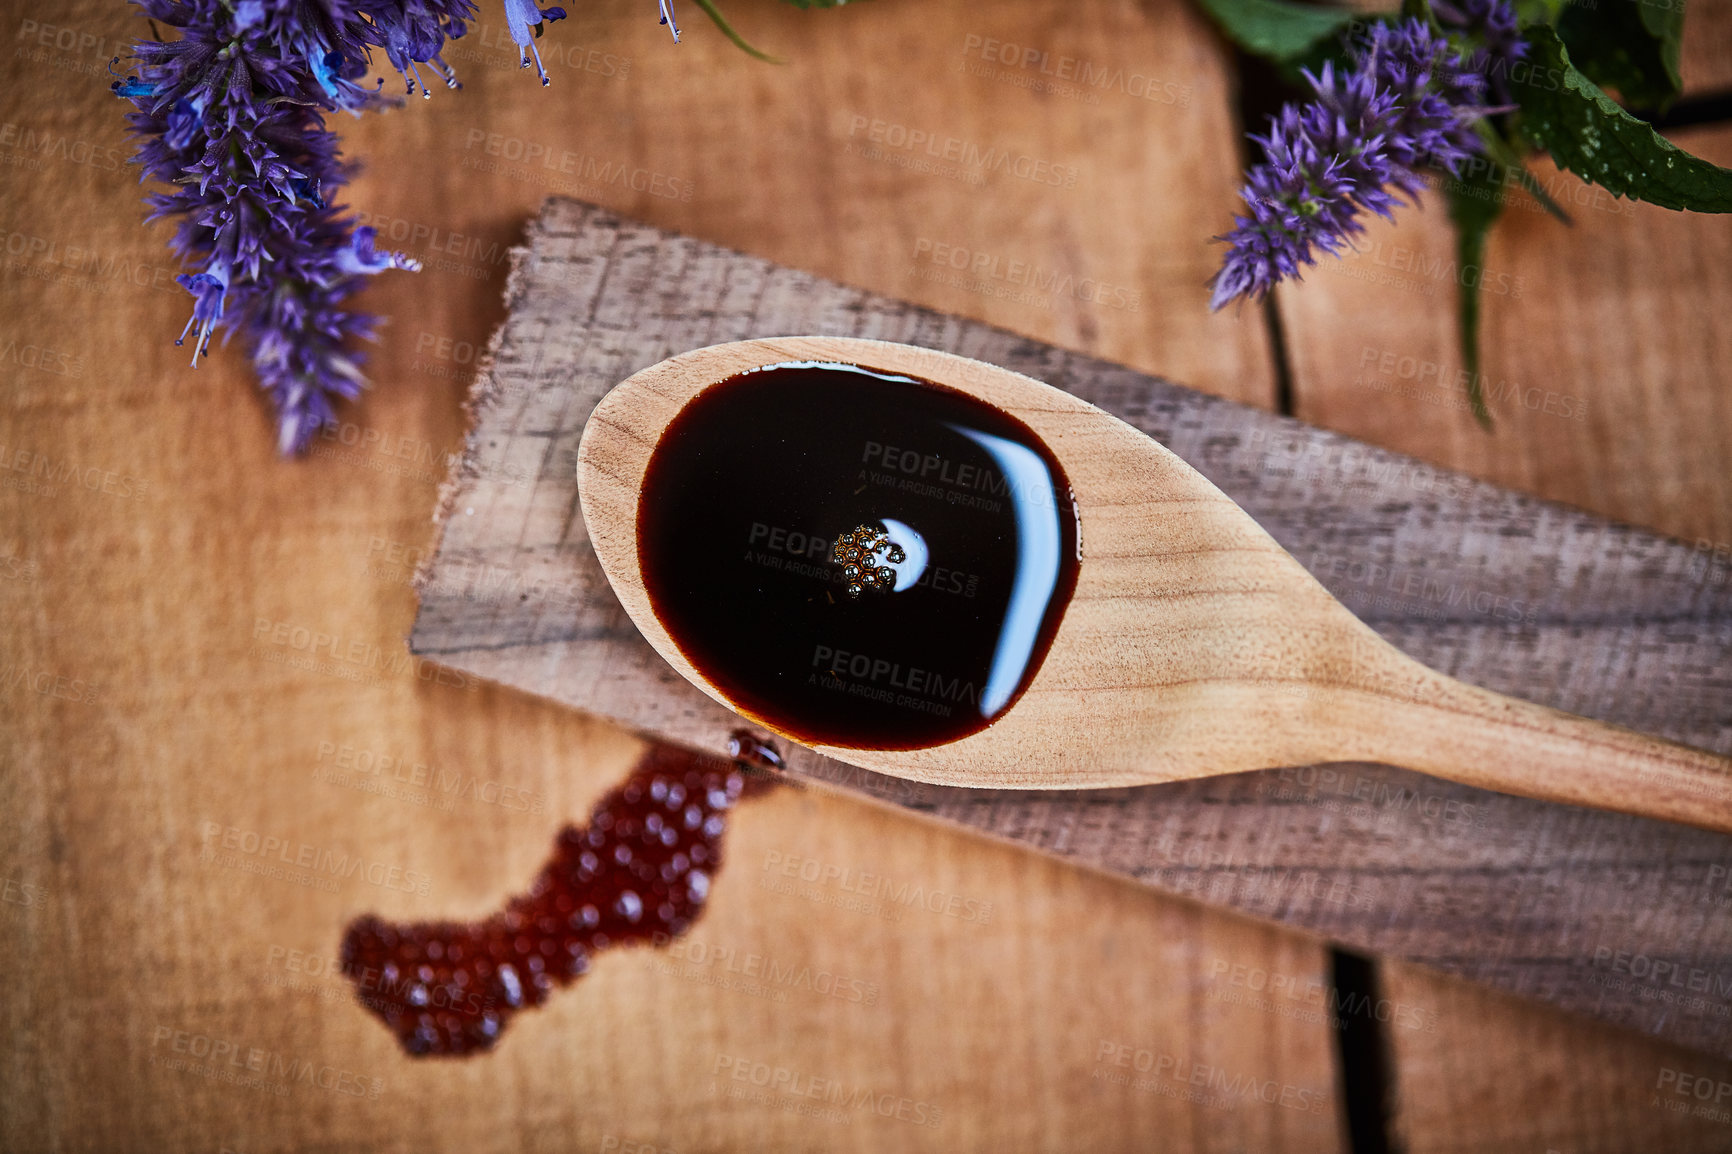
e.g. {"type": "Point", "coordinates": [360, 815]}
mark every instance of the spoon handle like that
{"type": "Point", "coordinates": [1431, 723]}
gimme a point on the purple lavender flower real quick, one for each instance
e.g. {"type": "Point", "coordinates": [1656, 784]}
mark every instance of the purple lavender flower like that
{"type": "Point", "coordinates": [1409, 102]}
{"type": "Point", "coordinates": [1493, 24]}
{"type": "Point", "coordinates": [231, 116]}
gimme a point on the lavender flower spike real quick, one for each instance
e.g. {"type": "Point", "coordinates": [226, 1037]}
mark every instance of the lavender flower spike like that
{"type": "Point", "coordinates": [230, 119]}
{"type": "Point", "coordinates": [1409, 102]}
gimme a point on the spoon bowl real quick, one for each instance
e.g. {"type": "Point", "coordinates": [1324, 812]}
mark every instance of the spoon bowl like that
{"type": "Point", "coordinates": [1191, 645]}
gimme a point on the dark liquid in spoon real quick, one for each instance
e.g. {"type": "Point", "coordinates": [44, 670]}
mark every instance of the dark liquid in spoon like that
{"type": "Point", "coordinates": [957, 520]}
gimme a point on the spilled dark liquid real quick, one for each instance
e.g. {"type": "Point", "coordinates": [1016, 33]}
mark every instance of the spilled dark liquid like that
{"type": "Point", "coordinates": [640, 871]}
{"type": "Point", "coordinates": [956, 518]}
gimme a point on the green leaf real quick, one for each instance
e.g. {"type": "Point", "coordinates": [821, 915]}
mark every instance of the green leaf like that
{"type": "Point", "coordinates": [1629, 45]}
{"type": "Point", "coordinates": [1475, 202]}
{"type": "Point", "coordinates": [711, 11]}
{"type": "Point", "coordinates": [1276, 29]}
{"type": "Point", "coordinates": [1569, 116]}
{"type": "Point", "coordinates": [1539, 11]}
{"type": "Point", "coordinates": [1664, 20]}
{"type": "Point", "coordinates": [1330, 50]}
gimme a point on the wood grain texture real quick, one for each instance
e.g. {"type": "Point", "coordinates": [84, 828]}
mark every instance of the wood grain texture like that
{"type": "Point", "coordinates": [1594, 339]}
{"type": "Point", "coordinates": [1193, 644]}
{"type": "Point", "coordinates": [1494, 588]}
{"type": "Point", "coordinates": [1486, 1074]}
{"type": "Point", "coordinates": [1079, 213]}
{"type": "Point", "coordinates": [148, 586]}
{"type": "Point", "coordinates": [1051, 964]}
{"type": "Point", "coordinates": [137, 582]}
{"type": "Point", "coordinates": [1607, 352]}
{"type": "Point", "coordinates": [1705, 61]}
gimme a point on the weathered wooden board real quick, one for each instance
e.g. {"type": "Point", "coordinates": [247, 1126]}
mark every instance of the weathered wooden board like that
{"type": "Point", "coordinates": [1574, 907]}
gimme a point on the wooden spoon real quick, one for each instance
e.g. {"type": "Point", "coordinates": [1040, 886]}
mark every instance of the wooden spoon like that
{"type": "Point", "coordinates": [1193, 645]}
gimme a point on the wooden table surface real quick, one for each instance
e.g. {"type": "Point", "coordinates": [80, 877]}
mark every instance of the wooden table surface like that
{"type": "Point", "coordinates": [149, 538]}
